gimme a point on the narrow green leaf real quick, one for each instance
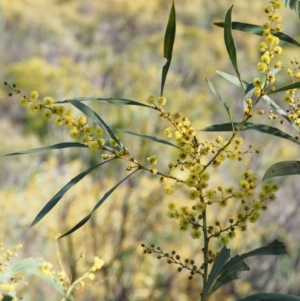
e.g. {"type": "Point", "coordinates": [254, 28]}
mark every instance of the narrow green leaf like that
{"type": "Point", "coordinates": [284, 168]}
{"type": "Point", "coordinates": [90, 113]}
{"type": "Point", "coordinates": [55, 199]}
{"type": "Point", "coordinates": [289, 87]}
{"type": "Point", "coordinates": [229, 42]}
{"type": "Point", "coordinates": [42, 149]}
{"type": "Point", "coordinates": [19, 267]}
{"type": "Point", "coordinates": [276, 247]}
{"type": "Point", "coordinates": [54, 282]}
{"type": "Point", "coordinates": [152, 138]}
{"type": "Point", "coordinates": [271, 297]}
{"type": "Point", "coordinates": [229, 275]}
{"type": "Point", "coordinates": [216, 92]}
{"type": "Point", "coordinates": [99, 203]}
{"type": "Point", "coordinates": [30, 265]}
{"type": "Point", "coordinates": [227, 127]}
{"type": "Point", "coordinates": [236, 264]}
{"type": "Point", "coordinates": [168, 45]}
{"type": "Point", "coordinates": [220, 261]}
{"type": "Point", "coordinates": [246, 86]}
{"type": "Point", "coordinates": [116, 101]}
{"type": "Point", "coordinates": [294, 5]}
{"type": "Point", "coordinates": [170, 34]}
{"type": "Point", "coordinates": [257, 30]}
{"type": "Point", "coordinates": [232, 79]}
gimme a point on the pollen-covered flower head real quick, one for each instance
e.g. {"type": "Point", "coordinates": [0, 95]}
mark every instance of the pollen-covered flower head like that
{"type": "Point", "coordinates": [151, 99]}
{"type": "Point", "coordinates": [169, 189]}
{"type": "Point", "coordinates": [152, 159]}
{"type": "Point", "coordinates": [262, 67]}
{"type": "Point", "coordinates": [194, 194]}
{"type": "Point", "coordinates": [98, 132]}
{"type": "Point", "coordinates": [196, 234]}
{"type": "Point", "coordinates": [93, 145]}
{"type": "Point", "coordinates": [81, 119]}
{"type": "Point", "coordinates": [48, 100]}
{"type": "Point", "coordinates": [162, 100]}
{"type": "Point", "coordinates": [34, 95]}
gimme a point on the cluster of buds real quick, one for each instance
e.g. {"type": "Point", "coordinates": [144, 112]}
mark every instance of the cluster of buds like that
{"type": "Point", "coordinates": [174, 258]}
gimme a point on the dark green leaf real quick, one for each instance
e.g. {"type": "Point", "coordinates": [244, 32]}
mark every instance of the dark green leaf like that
{"type": "Point", "coordinates": [117, 101]}
{"type": "Point", "coordinates": [229, 275]}
{"type": "Point", "coordinates": [42, 149]}
{"type": "Point", "coordinates": [90, 113]}
{"type": "Point", "coordinates": [220, 261]}
{"type": "Point", "coordinates": [216, 92]}
{"type": "Point", "coordinates": [284, 168]}
{"type": "Point", "coordinates": [100, 202]}
{"type": "Point", "coordinates": [227, 127]}
{"type": "Point", "coordinates": [257, 30]}
{"type": "Point", "coordinates": [289, 87]}
{"type": "Point", "coordinates": [294, 5]}
{"type": "Point", "coordinates": [168, 45]}
{"type": "Point", "coordinates": [229, 42]}
{"type": "Point", "coordinates": [271, 297]}
{"type": "Point", "coordinates": [55, 199]}
{"type": "Point", "coordinates": [236, 264]}
{"type": "Point", "coordinates": [152, 138]}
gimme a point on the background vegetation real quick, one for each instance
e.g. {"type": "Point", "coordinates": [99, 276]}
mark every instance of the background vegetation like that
{"type": "Point", "coordinates": [69, 48]}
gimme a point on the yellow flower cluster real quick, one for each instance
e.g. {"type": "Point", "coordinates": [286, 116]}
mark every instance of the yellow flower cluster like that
{"type": "Point", "coordinates": [98, 263]}
{"type": "Point", "coordinates": [250, 207]}
{"type": "Point", "coordinates": [61, 277]}
{"type": "Point", "coordinates": [46, 269]}
{"type": "Point", "coordinates": [157, 101]}
{"type": "Point", "coordinates": [290, 95]}
{"type": "Point", "coordinates": [190, 159]}
{"type": "Point", "coordinates": [269, 47]}
{"type": "Point", "coordinates": [92, 137]}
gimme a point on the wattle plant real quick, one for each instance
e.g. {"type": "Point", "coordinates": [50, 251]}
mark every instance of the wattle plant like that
{"type": "Point", "coordinates": [197, 160]}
